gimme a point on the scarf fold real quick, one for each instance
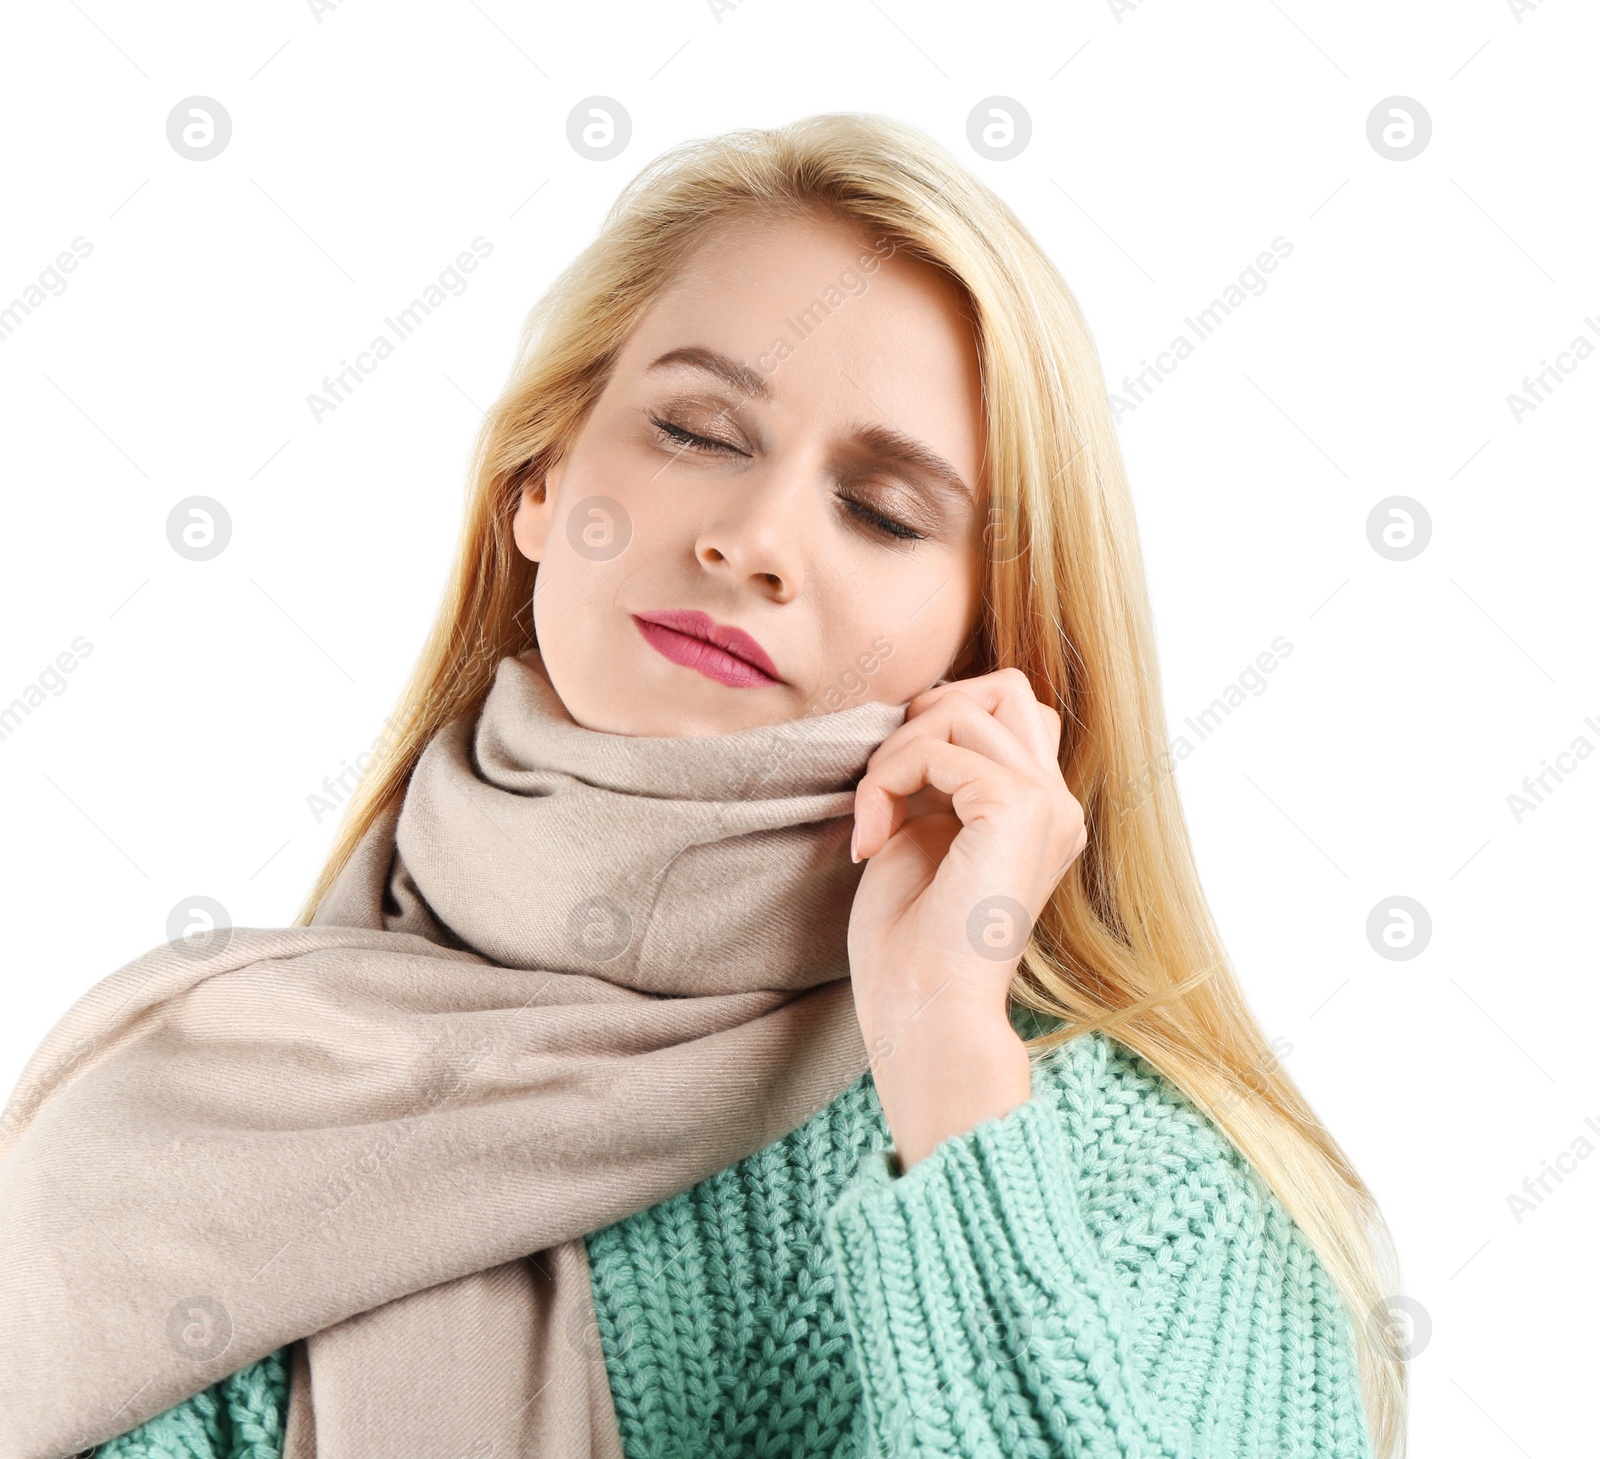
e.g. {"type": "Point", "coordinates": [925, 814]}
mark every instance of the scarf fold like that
{"type": "Point", "coordinates": [568, 975]}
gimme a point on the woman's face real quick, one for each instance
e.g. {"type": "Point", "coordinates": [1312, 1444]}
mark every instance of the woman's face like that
{"type": "Point", "coordinates": [783, 418]}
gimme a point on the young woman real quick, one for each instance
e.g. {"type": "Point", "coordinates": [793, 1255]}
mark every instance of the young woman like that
{"type": "Point", "coordinates": [761, 999]}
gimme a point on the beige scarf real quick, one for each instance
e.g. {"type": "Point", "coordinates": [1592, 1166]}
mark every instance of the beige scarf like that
{"type": "Point", "coordinates": [570, 975]}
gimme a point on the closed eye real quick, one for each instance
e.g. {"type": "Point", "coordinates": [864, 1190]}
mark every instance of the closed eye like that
{"type": "Point", "coordinates": [691, 440]}
{"type": "Point", "coordinates": [875, 521]}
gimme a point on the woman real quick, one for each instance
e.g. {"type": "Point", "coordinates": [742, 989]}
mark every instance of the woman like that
{"type": "Point", "coordinates": [957, 1138]}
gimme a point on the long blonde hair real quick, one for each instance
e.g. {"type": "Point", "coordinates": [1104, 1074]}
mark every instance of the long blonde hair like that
{"type": "Point", "coordinates": [1126, 945]}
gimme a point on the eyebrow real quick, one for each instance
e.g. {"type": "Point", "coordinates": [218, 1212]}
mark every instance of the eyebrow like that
{"type": "Point", "coordinates": [695, 357]}
{"type": "Point", "coordinates": [881, 442]}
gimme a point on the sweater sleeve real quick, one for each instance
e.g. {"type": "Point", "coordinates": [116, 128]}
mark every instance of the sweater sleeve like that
{"type": "Point", "coordinates": [240, 1417]}
{"type": "Point", "coordinates": [985, 1324]}
{"type": "Point", "coordinates": [986, 1321]}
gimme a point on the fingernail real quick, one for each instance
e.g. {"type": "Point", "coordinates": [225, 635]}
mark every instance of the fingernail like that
{"type": "Point", "coordinates": [856, 831]}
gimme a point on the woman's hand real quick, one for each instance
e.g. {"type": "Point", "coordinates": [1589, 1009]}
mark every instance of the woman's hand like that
{"type": "Point", "coordinates": [968, 826]}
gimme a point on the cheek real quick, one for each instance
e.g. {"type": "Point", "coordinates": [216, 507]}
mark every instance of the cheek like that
{"type": "Point", "coordinates": [642, 489]}
{"type": "Point", "coordinates": [899, 636]}
{"type": "Point", "coordinates": [601, 516]}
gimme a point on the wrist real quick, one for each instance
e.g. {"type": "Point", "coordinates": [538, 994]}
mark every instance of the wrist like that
{"type": "Point", "coordinates": [935, 1081]}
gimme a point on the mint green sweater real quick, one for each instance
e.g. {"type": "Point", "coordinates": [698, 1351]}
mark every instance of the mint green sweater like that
{"type": "Point", "coordinates": [1095, 1272]}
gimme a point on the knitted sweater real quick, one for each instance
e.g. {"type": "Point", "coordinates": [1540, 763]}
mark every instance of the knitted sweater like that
{"type": "Point", "coordinates": [1095, 1272]}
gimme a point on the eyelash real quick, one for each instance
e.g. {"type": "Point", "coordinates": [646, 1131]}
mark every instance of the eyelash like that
{"type": "Point", "coordinates": [885, 526]}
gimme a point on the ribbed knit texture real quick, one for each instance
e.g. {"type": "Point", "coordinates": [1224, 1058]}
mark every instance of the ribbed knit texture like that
{"type": "Point", "coordinates": [1096, 1272]}
{"type": "Point", "coordinates": [240, 1417]}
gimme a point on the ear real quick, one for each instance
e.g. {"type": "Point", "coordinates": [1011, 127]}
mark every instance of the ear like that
{"type": "Point", "coordinates": [531, 522]}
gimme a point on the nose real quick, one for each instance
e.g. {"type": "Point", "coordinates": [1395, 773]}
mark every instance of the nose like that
{"type": "Point", "coordinates": [760, 530]}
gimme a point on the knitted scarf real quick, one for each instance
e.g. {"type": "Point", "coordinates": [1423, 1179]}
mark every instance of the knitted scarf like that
{"type": "Point", "coordinates": [568, 975]}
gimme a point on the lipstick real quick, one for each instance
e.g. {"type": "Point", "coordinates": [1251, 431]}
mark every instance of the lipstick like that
{"type": "Point", "coordinates": [695, 640]}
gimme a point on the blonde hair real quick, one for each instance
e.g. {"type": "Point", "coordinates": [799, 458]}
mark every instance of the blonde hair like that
{"type": "Point", "coordinates": [1126, 944]}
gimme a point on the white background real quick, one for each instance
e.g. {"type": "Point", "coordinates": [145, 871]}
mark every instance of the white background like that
{"type": "Point", "coordinates": [1170, 145]}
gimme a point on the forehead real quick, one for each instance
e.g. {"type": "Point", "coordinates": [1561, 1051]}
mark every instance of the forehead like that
{"type": "Point", "coordinates": [775, 248]}
{"type": "Point", "coordinates": [777, 270]}
{"type": "Point", "coordinates": [832, 319]}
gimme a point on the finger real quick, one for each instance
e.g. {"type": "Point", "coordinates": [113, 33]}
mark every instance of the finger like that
{"type": "Point", "coordinates": [1052, 729]}
{"type": "Point", "coordinates": [959, 719]}
{"type": "Point", "coordinates": [1008, 696]}
{"type": "Point", "coordinates": [976, 785]}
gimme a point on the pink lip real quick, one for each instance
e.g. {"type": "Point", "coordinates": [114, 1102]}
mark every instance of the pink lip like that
{"type": "Point", "coordinates": [699, 642]}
